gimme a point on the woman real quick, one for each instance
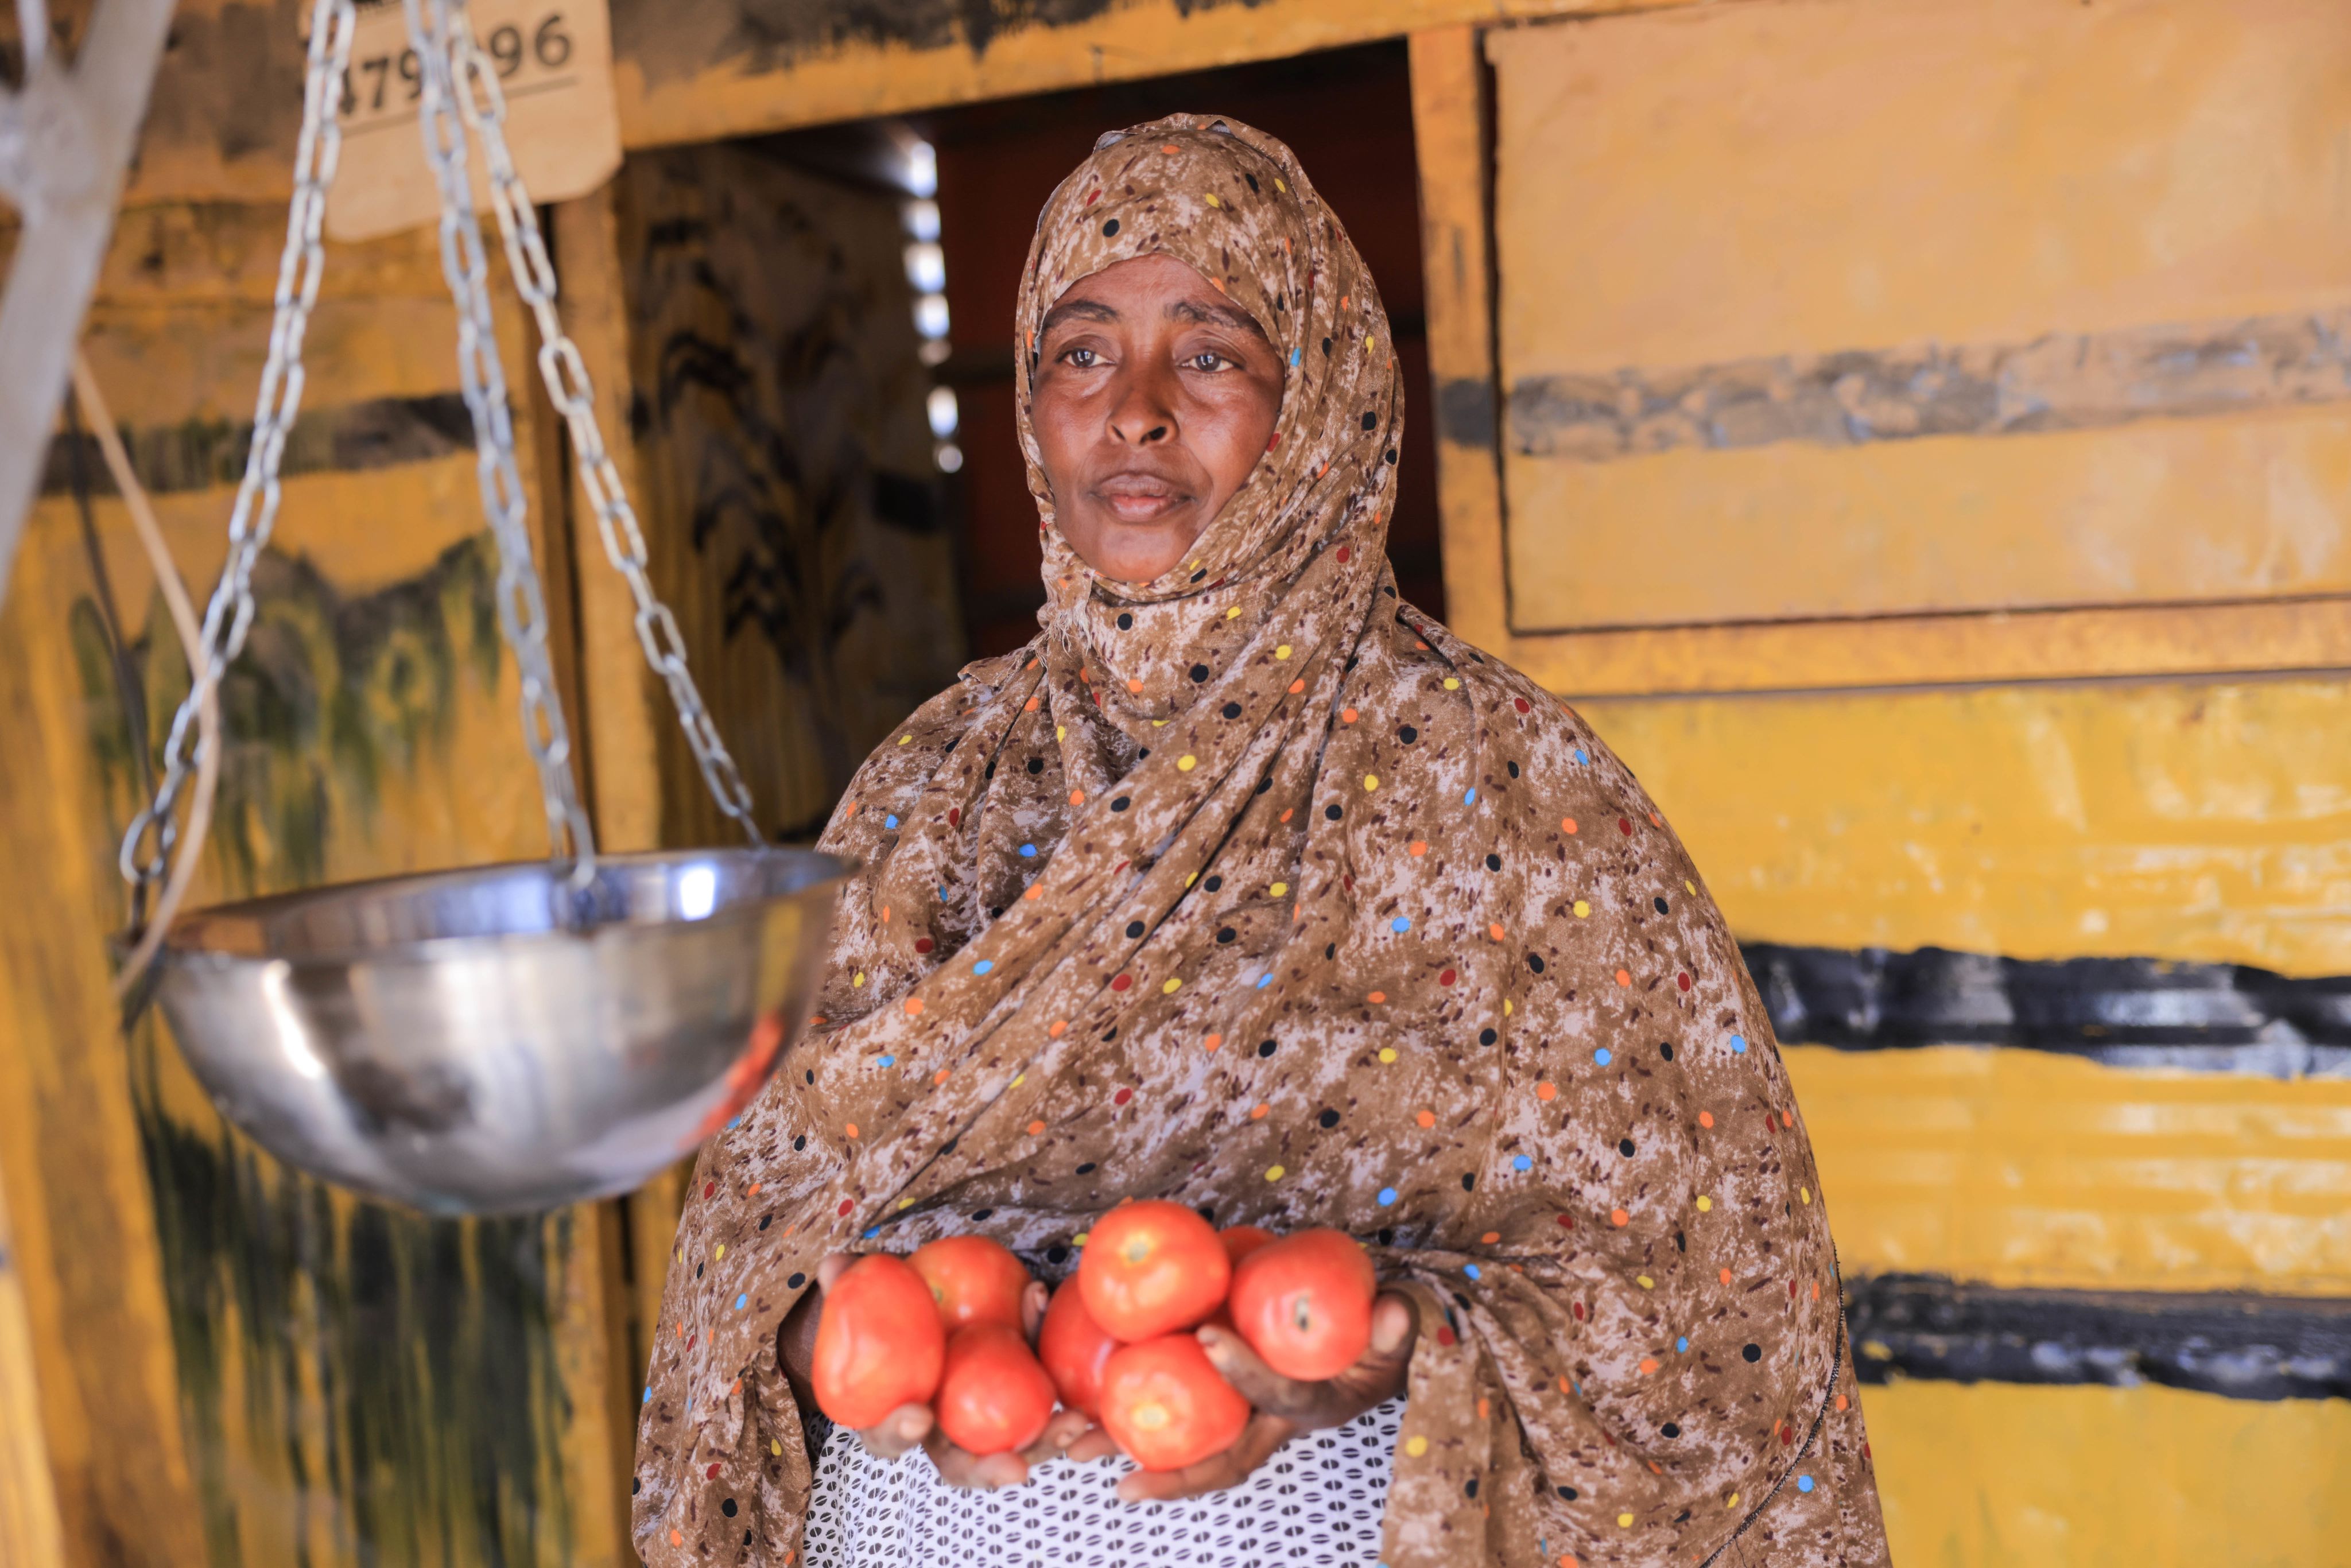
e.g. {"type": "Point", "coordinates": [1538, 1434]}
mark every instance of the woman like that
{"type": "Point", "coordinates": [1247, 885]}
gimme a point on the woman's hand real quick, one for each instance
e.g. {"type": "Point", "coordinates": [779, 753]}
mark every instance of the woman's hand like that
{"type": "Point", "coordinates": [908, 1425]}
{"type": "Point", "coordinates": [1283, 1408]}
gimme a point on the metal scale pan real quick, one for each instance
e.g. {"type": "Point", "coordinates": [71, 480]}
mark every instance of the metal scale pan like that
{"type": "Point", "coordinates": [491, 1040]}
{"type": "Point", "coordinates": [503, 1038]}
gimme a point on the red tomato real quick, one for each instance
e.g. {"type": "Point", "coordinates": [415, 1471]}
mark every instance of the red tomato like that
{"type": "Point", "coordinates": [1305, 1303]}
{"type": "Point", "coordinates": [878, 1343]}
{"type": "Point", "coordinates": [1073, 1347]}
{"type": "Point", "coordinates": [993, 1396]}
{"type": "Point", "coordinates": [1166, 1403]}
{"type": "Point", "coordinates": [1240, 1240]}
{"type": "Point", "coordinates": [1150, 1267]}
{"type": "Point", "coordinates": [973, 1279]}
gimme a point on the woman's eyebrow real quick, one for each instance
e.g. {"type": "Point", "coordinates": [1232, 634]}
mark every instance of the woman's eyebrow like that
{"type": "Point", "coordinates": [1078, 311]}
{"type": "Point", "coordinates": [1206, 311]}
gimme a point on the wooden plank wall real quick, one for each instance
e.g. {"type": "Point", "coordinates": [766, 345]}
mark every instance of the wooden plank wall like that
{"type": "Point", "coordinates": [239, 1364]}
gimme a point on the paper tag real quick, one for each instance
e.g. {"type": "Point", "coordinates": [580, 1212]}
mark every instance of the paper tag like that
{"type": "Point", "coordinates": [554, 60]}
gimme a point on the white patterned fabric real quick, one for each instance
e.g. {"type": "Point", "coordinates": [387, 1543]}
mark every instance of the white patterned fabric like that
{"type": "Point", "coordinates": [1317, 1503]}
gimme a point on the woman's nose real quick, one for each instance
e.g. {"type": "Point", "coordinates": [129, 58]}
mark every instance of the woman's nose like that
{"type": "Point", "coordinates": [1141, 415]}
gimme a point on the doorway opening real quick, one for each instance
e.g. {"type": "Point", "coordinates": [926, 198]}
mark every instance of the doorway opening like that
{"type": "Point", "coordinates": [1348, 115]}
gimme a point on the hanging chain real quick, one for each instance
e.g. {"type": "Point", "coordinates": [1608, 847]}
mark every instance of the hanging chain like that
{"type": "Point", "coordinates": [459, 89]}
{"type": "Point", "coordinates": [481, 377]}
{"type": "Point", "coordinates": [484, 105]}
{"type": "Point", "coordinates": [229, 615]}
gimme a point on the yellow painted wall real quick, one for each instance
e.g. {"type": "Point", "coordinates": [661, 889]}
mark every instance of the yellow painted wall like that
{"type": "Point", "coordinates": [2022, 1167]}
{"type": "Point", "coordinates": [2188, 820]}
{"type": "Point", "coordinates": [1997, 1476]}
{"type": "Point", "coordinates": [1685, 190]}
{"type": "Point", "coordinates": [2202, 821]}
{"type": "Point", "coordinates": [215, 1379]}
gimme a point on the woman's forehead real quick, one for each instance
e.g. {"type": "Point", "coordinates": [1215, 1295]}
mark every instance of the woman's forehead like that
{"type": "Point", "coordinates": [1135, 290]}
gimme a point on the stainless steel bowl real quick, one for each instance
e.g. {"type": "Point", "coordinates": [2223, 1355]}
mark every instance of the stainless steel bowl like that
{"type": "Point", "coordinates": [491, 1040]}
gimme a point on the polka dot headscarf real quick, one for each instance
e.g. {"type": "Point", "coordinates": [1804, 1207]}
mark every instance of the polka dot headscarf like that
{"type": "Point", "coordinates": [1254, 888]}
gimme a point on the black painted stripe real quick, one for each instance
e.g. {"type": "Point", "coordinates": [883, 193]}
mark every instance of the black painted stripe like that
{"type": "Point", "coordinates": [2062, 381]}
{"type": "Point", "coordinates": [202, 455]}
{"type": "Point", "coordinates": [2243, 1347]}
{"type": "Point", "coordinates": [2126, 1012]}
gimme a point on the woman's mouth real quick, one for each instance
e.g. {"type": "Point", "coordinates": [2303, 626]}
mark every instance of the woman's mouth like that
{"type": "Point", "coordinates": [1139, 497]}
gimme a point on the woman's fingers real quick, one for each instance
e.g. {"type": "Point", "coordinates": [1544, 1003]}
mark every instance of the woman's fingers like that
{"type": "Point", "coordinates": [981, 1473]}
{"type": "Point", "coordinates": [961, 1467]}
{"type": "Point", "coordinates": [834, 1265]}
{"type": "Point", "coordinates": [1065, 1429]}
{"type": "Point", "coordinates": [1034, 1298]}
{"type": "Point", "coordinates": [1396, 1325]}
{"type": "Point", "coordinates": [897, 1432]}
{"type": "Point", "coordinates": [1091, 1444]}
{"type": "Point", "coordinates": [1378, 1375]}
{"type": "Point", "coordinates": [1257, 1383]}
{"type": "Point", "coordinates": [1256, 1445]}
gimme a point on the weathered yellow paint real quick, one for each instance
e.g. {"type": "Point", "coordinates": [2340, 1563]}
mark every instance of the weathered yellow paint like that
{"type": "Point", "coordinates": [30, 1536]}
{"type": "Point", "coordinates": [387, 345]}
{"type": "Point", "coordinates": [2208, 820]}
{"type": "Point", "coordinates": [85, 1235]}
{"type": "Point", "coordinates": [1919, 650]}
{"type": "Point", "coordinates": [1672, 193]}
{"type": "Point", "coordinates": [1126, 39]}
{"type": "Point", "coordinates": [192, 1304]}
{"type": "Point", "coordinates": [622, 698]}
{"type": "Point", "coordinates": [708, 71]}
{"type": "Point", "coordinates": [2158, 512]}
{"type": "Point", "coordinates": [1985, 172]}
{"type": "Point", "coordinates": [1451, 100]}
{"type": "Point", "coordinates": [2023, 1167]}
{"type": "Point", "coordinates": [1977, 1475]}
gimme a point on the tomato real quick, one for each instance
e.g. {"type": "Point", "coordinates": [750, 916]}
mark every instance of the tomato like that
{"type": "Point", "coordinates": [878, 1343]}
{"type": "Point", "coordinates": [993, 1396]}
{"type": "Point", "coordinates": [1150, 1267]}
{"type": "Point", "coordinates": [1073, 1347]}
{"type": "Point", "coordinates": [1240, 1240]}
{"type": "Point", "coordinates": [973, 1279]}
{"type": "Point", "coordinates": [1166, 1403]}
{"type": "Point", "coordinates": [1305, 1303]}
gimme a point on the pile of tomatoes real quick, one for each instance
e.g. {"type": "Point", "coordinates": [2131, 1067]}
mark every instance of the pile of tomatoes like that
{"type": "Point", "coordinates": [943, 1328]}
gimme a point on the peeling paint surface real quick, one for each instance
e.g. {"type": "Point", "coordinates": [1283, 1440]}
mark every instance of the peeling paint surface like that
{"type": "Point", "coordinates": [2063, 382]}
{"type": "Point", "coordinates": [1810, 311]}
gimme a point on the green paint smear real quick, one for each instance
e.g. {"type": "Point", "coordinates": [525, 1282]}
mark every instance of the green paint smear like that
{"type": "Point", "coordinates": [402, 1397]}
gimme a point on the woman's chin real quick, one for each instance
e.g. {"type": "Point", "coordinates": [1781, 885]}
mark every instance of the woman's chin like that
{"type": "Point", "coordinates": [1136, 552]}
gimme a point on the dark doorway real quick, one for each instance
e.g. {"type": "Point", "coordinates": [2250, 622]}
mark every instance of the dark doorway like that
{"type": "Point", "coordinates": [1348, 115]}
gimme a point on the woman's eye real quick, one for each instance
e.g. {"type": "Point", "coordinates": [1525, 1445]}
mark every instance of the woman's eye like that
{"type": "Point", "coordinates": [1083, 359]}
{"type": "Point", "coordinates": [1205, 361]}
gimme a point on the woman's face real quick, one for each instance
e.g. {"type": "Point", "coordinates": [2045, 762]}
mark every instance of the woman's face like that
{"type": "Point", "coordinates": [1155, 396]}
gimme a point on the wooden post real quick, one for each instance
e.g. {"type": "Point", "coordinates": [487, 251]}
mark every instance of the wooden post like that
{"type": "Point", "coordinates": [29, 1533]}
{"type": "Point", "coordinates": [1452, 119]}
{"type": "Point", "coordinates": [621, 708]}
{"type": "Point", "coordinates": [620, 716]}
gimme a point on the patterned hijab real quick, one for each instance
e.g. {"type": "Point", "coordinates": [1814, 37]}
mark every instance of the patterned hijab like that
{"type": "Point", "coordinates": [1253, 888]}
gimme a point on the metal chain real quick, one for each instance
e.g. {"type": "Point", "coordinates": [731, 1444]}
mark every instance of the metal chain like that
{"type": "Point", "coordinates": [229, 614]}
{"type": "Point", "coordinates": [481, 377]}
{"type": "Point", "coordinates": [449, 57]}
{"type": "Point", "coordinates": [484, 105]}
